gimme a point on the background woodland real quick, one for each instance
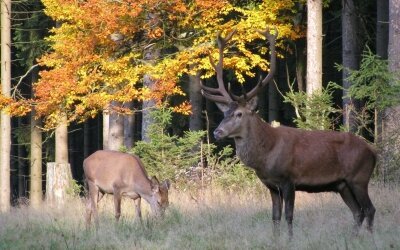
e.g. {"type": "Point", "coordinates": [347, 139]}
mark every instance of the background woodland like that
{"type": "Point", "coordinates": [78, 76]}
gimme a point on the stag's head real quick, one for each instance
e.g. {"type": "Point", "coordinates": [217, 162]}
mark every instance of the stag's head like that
{"type": "Point", "coordinates": [238, 110]}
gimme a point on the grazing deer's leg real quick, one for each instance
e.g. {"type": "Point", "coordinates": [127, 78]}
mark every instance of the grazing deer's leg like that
{"type": "Point", "coordinates": [117, 204]}
{"type": "Point", "coordinates": [93, 197]}
{"type": "Point", "coordinates": [138, 208]}
{"type": "Point", "coordinates": [276, 210]}
{"type": "Point", "coordinates": [88, 210]}
{"type": "Point", "coordinates": [352, 203]}
{"type": "Point", "coordinates": [361, 194]}
{"type": "Point", "coordinates": [101, 195]}
{"type": "Point", "coordinates": [288, 195]}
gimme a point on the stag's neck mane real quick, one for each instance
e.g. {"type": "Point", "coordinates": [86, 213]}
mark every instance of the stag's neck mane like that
{"type": "Point", "coordinates": [257, 141]}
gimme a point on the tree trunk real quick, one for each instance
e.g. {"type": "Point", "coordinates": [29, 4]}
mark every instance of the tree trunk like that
{"type": "Point", "coordinates": [116, 133]}
{"type": "Point", "coordinates": [382, 28]}
{"type": "Point", "coordinates": [58, 183]}
{"type": "Point", "coordinates": [382, 40]}
{"type": "Point", "coordinates": [391, 129]}
{"type": "Point", "coordinates": [273, 108]}
{"type": "Point", "coordinates": [314, 46]}
{"type": "Point", "coordinates": [129, 127]}
{"type": "Point", "coordinates": [36, 193]}
{"type": "Point", "coordinates": [196, 100]}
{"type": "Point", "coordinates": [106, 128]}
{"type": "Point", "coordinates": [5, 123]}
{"type": "Point", "coordinates": [21, 164]}
{"type": "Point", "coordinates": [151, 54]}
{"type": "Point", "coordinates": [86, 138]}
{"type": "Point", "coordinates": [351, 54]}
{"type": "Point", "coordinates": [59, 177]}
{"type": "Point", "coordinates": [62, 140]}
{"type": "Point", "coordinates": [300, 64]}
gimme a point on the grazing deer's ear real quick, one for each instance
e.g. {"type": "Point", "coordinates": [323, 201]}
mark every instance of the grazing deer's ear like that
{"type": "Point", "coordinates": [252, 104]}
{"type": "Point", "coordinates": [155, 184]}
{"type": "Point", "coordinates": [166, 184]}
{"type": "Point", "coordinates": [222, 106]}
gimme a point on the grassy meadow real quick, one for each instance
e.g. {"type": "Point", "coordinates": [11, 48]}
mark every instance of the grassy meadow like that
{"type": "Point", "coordinates": [207, 219]}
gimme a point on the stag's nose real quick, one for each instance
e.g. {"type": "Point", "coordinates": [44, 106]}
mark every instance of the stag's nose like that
{"type": "Point", "coordinates": [218, 134]}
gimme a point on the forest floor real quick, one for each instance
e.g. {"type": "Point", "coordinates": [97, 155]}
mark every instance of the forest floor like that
{"type": "Point", "coordinates": [207, 219]}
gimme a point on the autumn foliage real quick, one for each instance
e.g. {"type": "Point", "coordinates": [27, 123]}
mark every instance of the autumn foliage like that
{"type": "Point", "coordinates": [98, 50]}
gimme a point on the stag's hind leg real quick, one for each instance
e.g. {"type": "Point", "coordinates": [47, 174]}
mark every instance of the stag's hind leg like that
{"type": "Point", "coordinates": [352, 203]}
{"type": "Point", "coordinates": [360, 191]}
{"type": "Point", "coordinates": [288, 196]}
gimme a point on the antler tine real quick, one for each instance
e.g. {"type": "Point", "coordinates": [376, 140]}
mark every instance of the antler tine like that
{"type": "Point", "coordinates": [224, 96]}
{"type": "Point", "coordinates": [262, 83]}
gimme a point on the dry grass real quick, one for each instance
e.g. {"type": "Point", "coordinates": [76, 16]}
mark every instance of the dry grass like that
{"type": "Point", "coordinates": [210, 219]}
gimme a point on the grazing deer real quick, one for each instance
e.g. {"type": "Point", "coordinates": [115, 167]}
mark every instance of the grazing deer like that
{"type": "Point", "coordinates": [288, 159]}
{"type": "Point", "coordinates": [121, 174]}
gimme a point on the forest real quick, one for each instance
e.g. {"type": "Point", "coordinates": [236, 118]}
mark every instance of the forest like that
{"type": "Point", "coordinates": [136, 76]}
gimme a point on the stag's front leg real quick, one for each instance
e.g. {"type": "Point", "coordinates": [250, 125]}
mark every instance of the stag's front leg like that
{"type": "Point", "coordinates": [288, 195]}
{"type": "Point", "coordinates": [276, 210]}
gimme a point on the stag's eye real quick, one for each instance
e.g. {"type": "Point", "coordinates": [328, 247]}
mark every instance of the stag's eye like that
{"type": "Point", "coordinates": [239, 114]}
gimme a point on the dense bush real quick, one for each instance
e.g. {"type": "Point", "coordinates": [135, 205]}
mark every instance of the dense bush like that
{"type": "Point", "coordinates": [313, 112]}
{"type": "Point", "coordinates": [187, 160]}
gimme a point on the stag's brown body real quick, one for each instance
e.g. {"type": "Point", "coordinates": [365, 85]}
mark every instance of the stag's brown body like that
{"type": "Point", "coordinates": [312, 161]}
{"type": "Point", "coordinates": [289, 159]}
{"type": "Point", "coordinates": [121, 174]}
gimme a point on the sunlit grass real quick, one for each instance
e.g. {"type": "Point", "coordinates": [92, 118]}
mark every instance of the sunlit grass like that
{"type": "Point", "coordinates": [208, 219]}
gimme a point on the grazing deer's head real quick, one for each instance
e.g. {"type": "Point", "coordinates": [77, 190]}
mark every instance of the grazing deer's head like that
{"type": "Point", "coordinates": [159, 200]}
{"type": "Point", "coordinates": [237, 109]}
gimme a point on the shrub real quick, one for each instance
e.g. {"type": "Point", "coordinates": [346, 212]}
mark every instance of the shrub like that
{"type": "Point", "coordinates": [187, 160]}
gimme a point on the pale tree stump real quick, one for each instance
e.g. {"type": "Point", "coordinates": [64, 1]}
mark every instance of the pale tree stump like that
{"type": "Point", "coordinates": [58, 183]}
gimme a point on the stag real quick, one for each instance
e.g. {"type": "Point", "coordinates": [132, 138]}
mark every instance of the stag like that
{"type": "Point", "coordinates": [287, 159]}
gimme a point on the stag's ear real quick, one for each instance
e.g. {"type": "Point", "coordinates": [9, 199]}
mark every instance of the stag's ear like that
{"type": "Point", "coordinates": [222, 106]}
{"type": "Point", "coordinates": [252, 104]}
{"type": "Point", "coordinates": [155, 184]}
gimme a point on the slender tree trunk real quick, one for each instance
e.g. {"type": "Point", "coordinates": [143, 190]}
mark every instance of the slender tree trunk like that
{"type": "Point", "coordinates": [301, 64]}
{"type": "Point", "coordinates": [196, 100]}
{"type": "Point", "coordinates": [106, 128]}
{"type": "Point", "coordinates": [300, 46]}
{"type": "Point", "coordinates": [129, 127]}
{"type": "Point", "coordinates": [86, 139]}
{"type": "Point", "coordinates": [5, 123]}
{"type": "Point", "coordinates": [116, 133]}
{"type": "Point", "coordinates": [36, 192]}
{"type": "Point", "coordinates": [21, 164]}
{"type": "Point", "coordinates": [382, 40]}
{"type": "Point", "coordinates": [382, 28]}
{"type": "Point", "coordinates": [147, 106]}
{"type": "Point", "coordinates": [351, 54]}
{"type": "Point", "coordinates": [62, 140]}
{"type": "Point", "coordinates": [58, 176]}
{"type": "Point", "coordinates": [273, 108]}
{"type": "Point", "coordinates": [314, 46]}
{"type": "Point", "coordinates": [391, 129]}
{"type": "Point", "coordinates": [150, 55]}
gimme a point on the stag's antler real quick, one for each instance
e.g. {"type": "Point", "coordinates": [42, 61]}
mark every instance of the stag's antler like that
{"type": "Point", "coordinates": [220, 94]}
{"type": "Point", "coordinates": [263, 82]}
